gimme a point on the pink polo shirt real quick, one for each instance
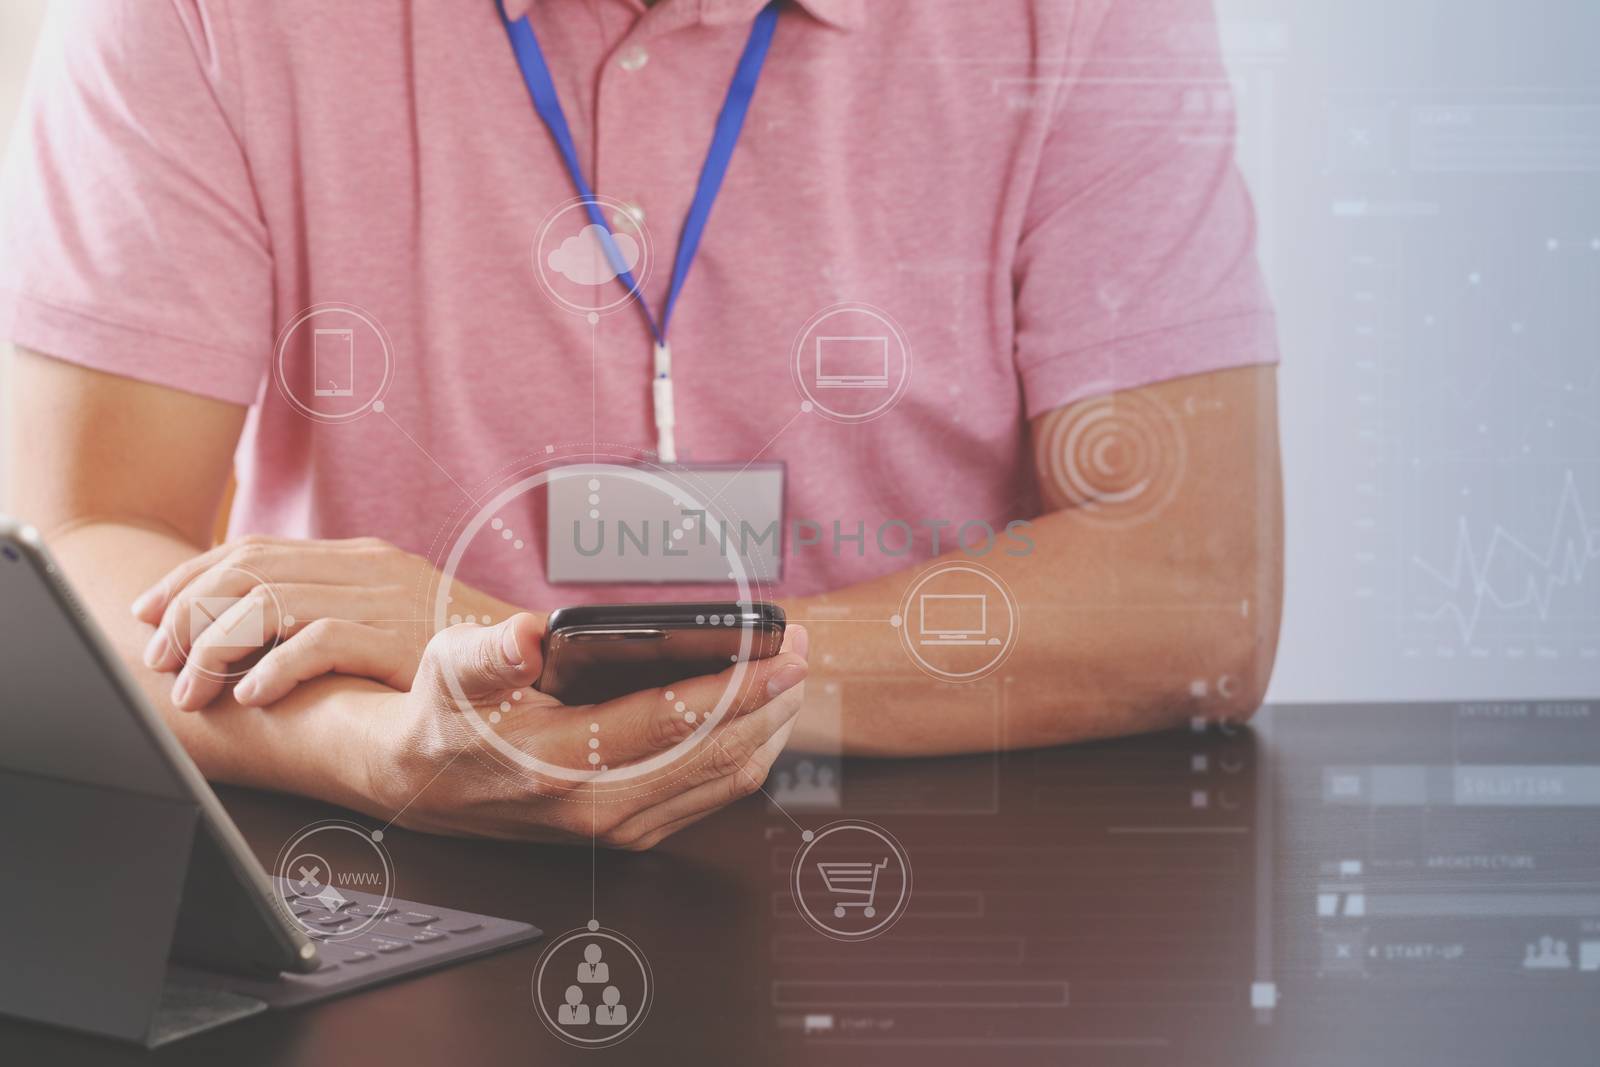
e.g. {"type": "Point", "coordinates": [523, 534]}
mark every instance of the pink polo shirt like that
{"type": "Point", "coordinates": [1040, 195]}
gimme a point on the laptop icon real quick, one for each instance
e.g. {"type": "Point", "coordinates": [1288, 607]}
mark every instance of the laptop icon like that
{"type": "Point", "coordinates": [955, 619]}
{"type": "Point", "coordinates": [852, 363]}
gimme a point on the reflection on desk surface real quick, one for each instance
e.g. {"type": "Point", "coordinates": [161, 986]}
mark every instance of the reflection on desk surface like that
{"type": "Point", "coordinates": [1377, 884]}
{"type": "Point", "coordinates": [1087, 899]}
{"type": "Point", "coordinates": [1439, 881]}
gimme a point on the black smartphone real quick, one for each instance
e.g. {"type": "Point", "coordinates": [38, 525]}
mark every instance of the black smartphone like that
{"type": "Point", "coordinates": [603, 651]}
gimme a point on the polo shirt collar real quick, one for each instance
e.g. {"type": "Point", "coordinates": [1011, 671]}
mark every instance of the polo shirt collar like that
{"type": "Point", "coordinates": [841, 14]}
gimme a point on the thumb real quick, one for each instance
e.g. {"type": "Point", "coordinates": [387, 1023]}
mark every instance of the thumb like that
{"type": "Point", "coordinates": [486, 660]}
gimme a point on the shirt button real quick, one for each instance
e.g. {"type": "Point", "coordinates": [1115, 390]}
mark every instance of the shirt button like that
{"type": "Point", "coordinates": [633, 57]}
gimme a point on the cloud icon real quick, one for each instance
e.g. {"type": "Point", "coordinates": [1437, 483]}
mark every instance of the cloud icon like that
{"type": "Point", "coordinates": [582, 258]}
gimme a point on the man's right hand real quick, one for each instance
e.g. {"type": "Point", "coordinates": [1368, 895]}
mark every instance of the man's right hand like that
{"type": "Point", "coordinates": [419, 779]}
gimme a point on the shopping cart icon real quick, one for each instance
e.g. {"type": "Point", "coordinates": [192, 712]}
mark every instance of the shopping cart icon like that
{"type": "Point", "coordinates": [853, 879]}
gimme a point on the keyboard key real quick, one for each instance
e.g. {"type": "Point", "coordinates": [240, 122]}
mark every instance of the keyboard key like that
{"type": "Point", "coordinates": [459, 926]}
{"type": "Point", "coordinates": [369, 911]}
{"type": "Point", "coordinates": [297, 909]}
{"type": "Point", "coordinates": [330, 921]}
{"type": "Point", "coordinates": [413, 918]}
{"type": "Point", "coordinates": [359, 957]}
{"type": "Point", "coordinates": [387, 944]}
{"type": "Point", "coordinates": [310, 893]}
{"type": "Point", "coordinates": [423, 937]}
{"type": "Point", "coordinates": [330, 899]}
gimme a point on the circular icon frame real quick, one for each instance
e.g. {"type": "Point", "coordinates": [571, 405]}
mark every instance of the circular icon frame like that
{"type": "Point", "coordinates": [813, 838]}
{"type": "Point", "coordinates": [802, 343]}
{"type": "Point", "coordinates": [594, 932]}
{"type": "Point", "coordinates": [292, 850]}
{"type": "Point", "coordinates": [284, 621]}
{"type": "Point", "coordinates": [280, 369]}
{"type": "Point", "coordinates": [914, 592]}
{"type": "Point", "coordinates": [640, 270]}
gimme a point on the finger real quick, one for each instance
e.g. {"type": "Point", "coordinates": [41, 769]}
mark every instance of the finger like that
{"type": "Point", "coordinates": [327, 646]}
{"type": "Point", "coordinates": [649, 827]}
{"type": "Point", "coordinates": [188, 614]}
{"type": "Point", "coordinates": [651, 721]}
{"type": "Point", "coordinates": [248, 626]}
{"type": "Point", "coordinates": [485, 661]}
{"type": "Point", "coordinates": [238, 633]}
{"type": "Point", "coordinates": [191, 611]}
{"type": "Point", "coordinates": [728, 749]}
{"type": "Point", "coordinates": [225, 628]}
{"type": "Point", "coordinates": [150, 605]}
{"type": "Point", "coordinates": [650, 837]}
{"type": "Point", "coordinates": [262, 617]}
{"type": "Point", "coordinates": [743, 687]}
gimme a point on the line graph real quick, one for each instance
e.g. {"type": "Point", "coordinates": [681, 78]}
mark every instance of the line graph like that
{"type": "Point", "coordinates": [1508, 576]}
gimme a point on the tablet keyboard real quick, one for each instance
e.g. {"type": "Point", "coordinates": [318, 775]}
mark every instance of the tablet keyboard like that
{"type": "Point", "coordinates": [363, 940]}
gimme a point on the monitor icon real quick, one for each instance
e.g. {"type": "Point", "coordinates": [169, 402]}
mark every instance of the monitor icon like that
{"type": "Point", "coordinates": [333, 362]}
{"type": "Point", "coordinates": [852, 362]}
{"type": "Point", "coordinates": [955, 619]}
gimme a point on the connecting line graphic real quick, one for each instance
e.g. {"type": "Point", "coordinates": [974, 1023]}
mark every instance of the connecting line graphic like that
{"type": "Point", "coordinates": [594, 836]}
{"type": "Point", "coordinates": [808, 622]}
{"type": "Point", "coordinates": [758, 454]}
{"type": "Point", "coordinates": [424, 788]}
{"type": "Point", "coordinates": [758, 784]}
{"type": "Point", "coordinates": [470, 498]}
{"type": "Point", "coordinates": [594, 389]}
{"type": "Point", "coordinates": [1574, 547]}
{"type": "Point", "coordinates": [375, 622]}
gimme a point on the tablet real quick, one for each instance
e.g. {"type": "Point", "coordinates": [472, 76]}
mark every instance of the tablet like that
{"type": "Point", "coordinates": [74, 715]}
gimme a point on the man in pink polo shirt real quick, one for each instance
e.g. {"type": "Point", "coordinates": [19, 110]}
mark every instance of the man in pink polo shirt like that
{"type": "Point", "coordinates": [1070, 399]}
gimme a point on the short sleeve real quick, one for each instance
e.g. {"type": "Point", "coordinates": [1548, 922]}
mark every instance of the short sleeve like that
{"type": "Point", "coordinates": [130, 236]}
{"type": "Point", "coordinates": [1136, 261]}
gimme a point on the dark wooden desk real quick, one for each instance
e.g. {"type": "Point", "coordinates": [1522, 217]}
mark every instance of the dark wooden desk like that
{"type": "Point", "coordinates": [1115, 903]}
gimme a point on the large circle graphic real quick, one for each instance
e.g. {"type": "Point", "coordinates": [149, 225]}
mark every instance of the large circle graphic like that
{"type": "Point", "coordinates": [486, 526]}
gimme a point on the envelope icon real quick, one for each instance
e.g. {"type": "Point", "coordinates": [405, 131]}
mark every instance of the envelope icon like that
{"type": "Point", "coordinates": [247, 631]}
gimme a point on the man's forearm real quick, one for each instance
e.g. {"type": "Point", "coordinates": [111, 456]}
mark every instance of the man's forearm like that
{"type": "Point", "coordinates": [1114, 628]}
{"type": "Point", "coordinates": [311, 742]}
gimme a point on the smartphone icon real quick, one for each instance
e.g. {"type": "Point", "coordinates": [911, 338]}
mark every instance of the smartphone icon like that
{"type": "Point", "coordinates": [333, 362]}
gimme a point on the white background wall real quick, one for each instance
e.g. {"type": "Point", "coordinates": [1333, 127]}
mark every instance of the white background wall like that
{"type": "Point", "coordinates": [1428, 178]}
{"type": "Point", "coordinates": [19, 25]}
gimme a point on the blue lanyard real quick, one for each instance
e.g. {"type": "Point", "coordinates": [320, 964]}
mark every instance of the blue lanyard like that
{"type": "Point", "coordinates": [536, 72]}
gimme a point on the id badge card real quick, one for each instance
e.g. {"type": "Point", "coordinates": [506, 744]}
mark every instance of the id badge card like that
{"type": "Point", "coordinates": [690, 524]}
